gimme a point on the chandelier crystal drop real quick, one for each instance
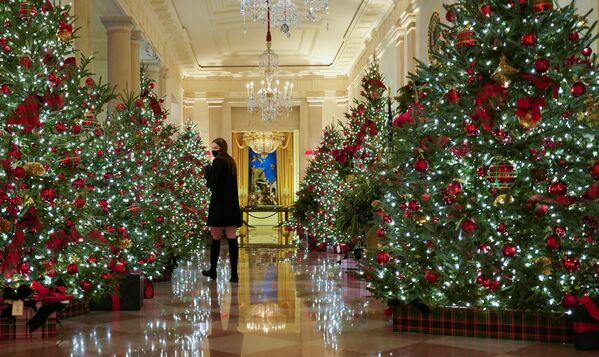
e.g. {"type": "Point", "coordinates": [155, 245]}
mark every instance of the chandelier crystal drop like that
{"type": "Point", "coordinates": [285, 13]}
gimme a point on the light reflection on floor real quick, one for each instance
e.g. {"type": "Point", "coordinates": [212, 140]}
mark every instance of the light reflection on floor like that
{"type": "Point", "coordinates": [286, 304]}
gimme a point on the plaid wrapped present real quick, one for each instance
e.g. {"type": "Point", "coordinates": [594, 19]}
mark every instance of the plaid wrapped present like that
{"type": "Point", "coordinates": [74, 308]}
{"type": "Point", "coordinates": [586, 324]}
{"type": "Point", "coordinates": [12, 328]}
{"type": "Point", "coordinates": [470, 322]}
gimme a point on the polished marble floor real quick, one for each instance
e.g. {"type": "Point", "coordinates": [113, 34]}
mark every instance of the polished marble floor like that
{"type": "Point", "coordinates": [286, 304]}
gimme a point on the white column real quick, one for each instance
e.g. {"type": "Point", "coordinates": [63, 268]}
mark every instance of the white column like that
{"type": "Point", "coordinates": [81, 10]}
{"type": "Point", "coordinates": [119, 51]}
{"type": "Point", "coordinates": [136, 39]}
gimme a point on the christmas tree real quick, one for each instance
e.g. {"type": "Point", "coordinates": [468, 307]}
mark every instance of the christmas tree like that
{"type": "Point", "coordinates": [133, 198]}
{"type": "Point", "coordinates": [46, 230]}
{"type": "Point", "coordinates": [316, 203]}
{"type": "Point", "coordinates": [496, 201]}
{"type": "Point", "coordinates": [189, 157]}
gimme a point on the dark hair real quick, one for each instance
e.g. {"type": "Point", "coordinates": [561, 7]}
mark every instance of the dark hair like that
{"type": "Point", "coordinates": [223, 154]}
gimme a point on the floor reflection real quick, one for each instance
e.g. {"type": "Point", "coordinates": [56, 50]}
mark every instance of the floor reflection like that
{"type": "Point", "coordinates": [287, 303]}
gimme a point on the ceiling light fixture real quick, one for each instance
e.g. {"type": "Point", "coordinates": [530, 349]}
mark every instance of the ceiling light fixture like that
{"type": "Point", "coordinates": [269, 99]}
{"type": "Point", "coordinates": [284, 13]}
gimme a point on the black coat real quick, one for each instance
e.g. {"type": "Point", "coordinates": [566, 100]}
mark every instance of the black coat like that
{"type": "Point", "coordinates": [224, 202]}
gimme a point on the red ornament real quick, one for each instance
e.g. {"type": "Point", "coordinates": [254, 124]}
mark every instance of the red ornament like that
{"type": "Point", "coordinates": [509, 250]}
{"type": "Point", "coordinates": [587, 51]}
{"type": "Point", "coordinates": [383, 257]}
{"type": "Point", "coordinates": [431, 277]}
{"type": "Point", "coordinates": [151, 258]}
{"type": "Point", "coordinates": [502, 174]}
{"type": "Point", "coordinates": [89, 81]}
{"type": "Point", "coordinates": [78, 183]}
{"type": "Point", "coordinates": [542, 65]}
{"type": "Point", "coordinates": [86, 285]}
{"type": "Point", "coordinates": [466, 38]}
{"type": "Point", "coordinates": [560, 230]}
{"type": "Point", "coordinates": [570, 301]}
{"type": "Point", "coordinates": [595, 171]}
{"type": "Point", "coordinates": [19, 173]}
{"type": "Point", "coordinates": [99, 153]}
{"type": "Point", "coordinates": [92, 259]}
{"type": "Point", "coordinates": [541, 210]}
{"type": "Point", "coordinates": [159, 219]}
{"type": "Point", "coordinates": [571, 263]}
{"type": "Point", "coordinates": [149, 290]}
{"type": "Point", "coordinates": [76, 129]}
{"type": "Point", "coordinates": [468, 225]}
{"type": "Point", "coordinates": [26, 61]}
{"type": "Point", "coordinates": [501, 228]}
{"type": "Point", "coordinates": [79, 202]}
{"type": "Point", "coordinates": [573, 36]}
{"type": "Point", "coordinates": [542, 5]}
{"type": "Point", "coordinates": [578, 89]}
{"type": "Point", "coordinates": [421, 165]}
{"type": "Point", "coordinates": [120, 107]}
{"type": "Point", "coordinates": [60, 127]}
{"type": "Point", "coordinates": [414, 205]}
{"type": "Point", "coordinates": [559, 188]}
{"type": "Point", "coordinates": [486, 9]}
{"type": "Point", "coordinates": [528, 40]}
{"type": "Point", "coordinates": [5, 89]}
{"type": "Point", "coordinates": [494, 285]}
{"type": "Point", "coordinates": [454, 187]}
{"type": "Point", "coordinates": [450, 16]}
{"type": "Point", "coordinates": [381, 232]}
{"type": "Point", "coordinates": [471, 129]}
{"type": "Point", "coordinates": [121, 230]}
{"type": "Point", "coordinates": [23, 268]}
{"type": "Point", "coordinates": [552, 242]}
{"type": "Point", "coordinates": [139, 103]}
{"type": "Point", "coordinates": [452, 96]}
{"type": "Point", "coordinates": [72, 268]}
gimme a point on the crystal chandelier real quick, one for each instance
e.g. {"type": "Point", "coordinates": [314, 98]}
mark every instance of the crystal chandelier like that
{"type": "Point", "coordinates": [269, 99]}
{"type": "Point", "coordinates": [264, 142]}
{"type": "Point", "coordinates": [284, 12]}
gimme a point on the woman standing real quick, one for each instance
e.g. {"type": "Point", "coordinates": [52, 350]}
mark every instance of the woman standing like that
{"type": "Point", "coordinates": [224, 215]}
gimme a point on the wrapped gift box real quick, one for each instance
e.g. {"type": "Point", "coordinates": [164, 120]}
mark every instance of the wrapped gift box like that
{"type": "Point", "coordinates": [127, 295]}
{"type": "Point", "coordinates": [12, 328]}
{"type": "Point", "coordinates": [585, 324]}
{"type": "Point", "coordinates": [470, 322]}
{"type": "Point", "coordinates": [74, 308]}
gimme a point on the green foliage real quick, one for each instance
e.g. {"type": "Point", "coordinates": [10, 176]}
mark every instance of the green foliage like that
{"type": "Point", "coordinates": [355, 214]}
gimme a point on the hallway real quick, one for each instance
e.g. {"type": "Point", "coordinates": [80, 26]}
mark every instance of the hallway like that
{"type": "Point", "coordinates": [286, 304]}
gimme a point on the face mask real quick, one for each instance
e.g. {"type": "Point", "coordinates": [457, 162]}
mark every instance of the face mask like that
{"type": "Point", "coordinates": [215, 153]}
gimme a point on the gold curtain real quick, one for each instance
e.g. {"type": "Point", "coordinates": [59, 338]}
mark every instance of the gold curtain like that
{"type": "Point", "coordinates": [240, 153]}
{"type": "Point", "coordinates": [285, 194]}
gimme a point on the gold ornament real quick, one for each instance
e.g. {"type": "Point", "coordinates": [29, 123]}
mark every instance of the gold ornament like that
{"type": "Point", "coordinates": [504, 72]}
{"type": "Point", "coordinates": [64, 35]}
{"type": "Point", "coordinates": [34, 168]}
{"type": "Point", "coordinates": [349, 177]}
{"type": "Point", "coordinates": [527, 121]}
{"type": "Point", "coordinates": [73, 258]}
{"type": "Point", "coordinates": [591, 113]}
{"type": "Point", "coordinates": [420, 218]}
{"type": "Point", "coordinates": [503, 199]}
{"type": "Point", "coordinates": [156, 140]}
{"type": "Point", "coordinates": [28, 201]}
{"type": "Point", "coordinates": [123, 243]}
{"type": "Point", "coordinates": [545, 263]}
{"type": "Point", "coordinates": [4, 225]}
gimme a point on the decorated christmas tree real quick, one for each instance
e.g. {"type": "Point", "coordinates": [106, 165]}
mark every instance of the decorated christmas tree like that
{"type": "Point", "coordinates": [189, 157]}
{"type": "Point", "coordinates": [494, 201]}
{"type": "Point", "coordinates": [46, 230]}
{"type": "Point", "coordinates": [316, 205]}
{"type": "Point", "coordinates": [134, 200]}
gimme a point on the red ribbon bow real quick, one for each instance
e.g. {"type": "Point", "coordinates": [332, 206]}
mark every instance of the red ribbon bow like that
{"type": "Point", "coordinates": [50, 295]}
{"type": "Point", "coordinates": [541, 82]}
{"type": "Point", "coordinates": [489, 95]}
{"type": "Point", "coordinates": [27, 114]}
{"type": "Point", "coordinates": [593, 310]}
{"type": "Point", "coordinates": [532, 105]}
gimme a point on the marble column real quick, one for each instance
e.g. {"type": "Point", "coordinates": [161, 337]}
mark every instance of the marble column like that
{"type": "Point", "coordinates": [136, 39]}
{"type": "Point", "coordinates": [81, 10]}
{"type": "Point", "coordinates": [119, 52]}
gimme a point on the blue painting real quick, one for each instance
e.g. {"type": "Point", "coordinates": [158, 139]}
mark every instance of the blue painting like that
{"type": "Point", "coordinates": [263, 179]}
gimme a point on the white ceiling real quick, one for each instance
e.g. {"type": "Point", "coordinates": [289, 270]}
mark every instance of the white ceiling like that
{"type": "Point", "coordinates": [215, 28]}
{"type": "Point", "coordinates": [212, 30]}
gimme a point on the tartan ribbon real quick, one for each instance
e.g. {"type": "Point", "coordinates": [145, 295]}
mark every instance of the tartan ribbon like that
{"type": "Point", "coordinates": [542, 82]}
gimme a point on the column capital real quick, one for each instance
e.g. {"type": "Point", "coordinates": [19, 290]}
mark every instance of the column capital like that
{"type": "Point", "coordinates": [137, 36]}
{"type": "Point", "coordinates": [112, 23]}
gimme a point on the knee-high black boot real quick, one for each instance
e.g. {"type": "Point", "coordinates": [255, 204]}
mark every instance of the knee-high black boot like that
{"type": "Point", "coordinates": [234, 257]}
{"type": "Point", "coordinates": [214, 253]}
